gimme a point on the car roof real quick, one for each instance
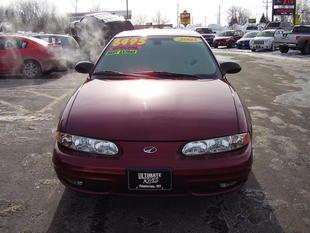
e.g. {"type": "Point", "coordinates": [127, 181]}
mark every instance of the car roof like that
{"type": "Point", "coordinates": [158, 32]}
{"type": "Point", "coordinates": [271, 30]}
{"type": "Point", "coordinates": [18, 36]}
{"type": "Point", "coordinates": [54, 35]}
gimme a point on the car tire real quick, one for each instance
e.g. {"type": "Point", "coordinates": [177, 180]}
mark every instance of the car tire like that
{"type": "Point", "coordinates": [273, 48]}
{"type": "Point", "coordinates": [31, 69]}
{"type": "Point", "coordinates": [306, 48]}
{"type": "Point", "coordinates": [215, 46]}
{"type": "Point", "coordinates": [230, 45]}
{"type": "Point", "coordinates": [284, 49]}
{"type": "Point", "coordinates": [253, 50]}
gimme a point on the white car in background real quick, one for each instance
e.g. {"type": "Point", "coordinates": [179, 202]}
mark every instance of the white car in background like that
{"type": "Point", "coordinates": [265, 40]}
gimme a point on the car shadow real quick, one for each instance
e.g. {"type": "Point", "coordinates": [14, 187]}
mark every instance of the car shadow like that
{"type": "Point", "coordinates": [11, 81]}
{"type": "Point", "coordinates": [244, 211]}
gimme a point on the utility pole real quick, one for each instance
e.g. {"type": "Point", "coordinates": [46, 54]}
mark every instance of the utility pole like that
{"type": "Point", "coordinates": [127, 10]}
{"type": "Point", "coordinates": [178, 16]}
{"type": "Point", "coordinates": [219, 16]}
{"type": "Point", "coordinates": [267, 4]}
{"type": "Point", "coordinates": [76, 5]}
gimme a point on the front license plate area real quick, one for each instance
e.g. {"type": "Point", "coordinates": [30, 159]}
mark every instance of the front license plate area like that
{"type": "Point", "coordinates": [148, 180]}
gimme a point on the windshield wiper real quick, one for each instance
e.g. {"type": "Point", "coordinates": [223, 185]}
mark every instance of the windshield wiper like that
{"type": "Point", "coordinates": [169, 75]}
{"type": "Point", "coordinates": [114, 73]}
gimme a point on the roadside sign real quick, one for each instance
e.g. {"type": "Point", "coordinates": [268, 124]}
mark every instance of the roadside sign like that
{"type": "Point", "coordinates": [252, 20]}
{"type": "Point", "coordinates": [185, 18]}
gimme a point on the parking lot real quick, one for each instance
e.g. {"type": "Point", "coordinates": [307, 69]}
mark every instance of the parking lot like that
{"type": "Point", "coordinates": [276, 89]}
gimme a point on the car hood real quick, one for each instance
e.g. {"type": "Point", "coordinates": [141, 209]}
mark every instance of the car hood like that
{"type": "Point", "coordinates": [263, 38]}
{"type": "Point", "coordinates": [153, 110]}
{"type": "Point", "coordinates": [223, 37]}
{"type": "Point", "coordinates": [244, 39]}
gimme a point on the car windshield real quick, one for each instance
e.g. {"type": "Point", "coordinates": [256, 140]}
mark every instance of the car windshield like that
{"type": "Point", "coordinates": [266, 34]}
{"type": "Point", "coordinates": [161, 55]}
{"type": "Point", "coordinates": [227, 33]}
{"type": "Point", "coordinates": [204, 30]}
{"type": "Point", "coordinates": [250, 35]}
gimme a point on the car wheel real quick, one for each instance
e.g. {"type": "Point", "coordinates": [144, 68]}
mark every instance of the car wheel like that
{"type": "Point", "coordinates": [31, 69]}
{"type": "Point", "coordinates": [284, 49]}
{"type": "Point", "coordinates": [215, 46]}
{"type": "Point", "coordinates": [230, 45]}
{"type": "Point", "coordinates": [253, 50]}
{"type": "Point", "coordinates": [306, 48]}
{"type": "Point", "coordinates": [273, 48]}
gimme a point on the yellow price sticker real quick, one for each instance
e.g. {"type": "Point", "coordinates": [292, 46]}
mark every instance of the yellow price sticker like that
{"type": "Point", "coordinates": [129, 41]}
{"type": "Point", "coordinates": [187, 39]}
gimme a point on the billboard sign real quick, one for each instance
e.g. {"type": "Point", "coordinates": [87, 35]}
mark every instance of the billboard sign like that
{"type": "Point", "coordinates": [185, 18]}
{"type": "Point", "coordinates": [284, 2]}
{"type": "Point", "coordinates": [284, 7]}
{"type": "Point", "coordinates": [252, 20]}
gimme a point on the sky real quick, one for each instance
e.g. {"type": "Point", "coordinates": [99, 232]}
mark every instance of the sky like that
{"type": "Point", "coordinates": [202, 11]}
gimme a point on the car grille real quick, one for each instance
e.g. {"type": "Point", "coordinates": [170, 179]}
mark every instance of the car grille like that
{"type": "Point", "coordinates": [258, 42]}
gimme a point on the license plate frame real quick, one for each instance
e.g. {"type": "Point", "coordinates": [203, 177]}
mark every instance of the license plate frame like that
{"type": "Point", "coordinates": [149, 179]}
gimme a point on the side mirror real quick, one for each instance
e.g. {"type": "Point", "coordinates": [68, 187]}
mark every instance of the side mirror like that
{"type": "Point", "coordinates": [84, 67]}
{"type": "Point", "coordinates": [230, 67]}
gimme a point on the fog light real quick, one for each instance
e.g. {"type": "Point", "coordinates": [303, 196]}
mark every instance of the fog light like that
{"type": "Point", "coordinates": [75, 182]}
{"type": "Point", "coordinates": [227, 184]}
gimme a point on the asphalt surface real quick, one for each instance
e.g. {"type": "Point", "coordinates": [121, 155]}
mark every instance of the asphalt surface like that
{"type": "Point", "coordinates": [276, 198]}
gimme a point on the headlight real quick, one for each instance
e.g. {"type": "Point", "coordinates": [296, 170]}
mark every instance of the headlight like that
{"type": "Point", "coordinates": [216, 145]}
{"type": "Point", "coordinates": [87, 144]}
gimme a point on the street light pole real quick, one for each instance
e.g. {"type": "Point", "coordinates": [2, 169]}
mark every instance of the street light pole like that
{"type": "Point", "coordinates": [126, 9]}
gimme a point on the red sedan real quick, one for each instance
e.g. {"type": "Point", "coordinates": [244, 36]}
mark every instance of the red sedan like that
{"type": "Point", "coordinates": [227, 38]}
{"type": "Point", "coordinates": [156, 115]}
{"type": "Point", "coordinates": [27, 56]}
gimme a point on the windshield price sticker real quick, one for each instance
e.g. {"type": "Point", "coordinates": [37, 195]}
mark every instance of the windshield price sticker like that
{"type": "Point", "coordinates": [129, 41]}
{"type": "Point", "coordinates": [122, 52]}
{"type": "Point", "coordinates": [187, 39]}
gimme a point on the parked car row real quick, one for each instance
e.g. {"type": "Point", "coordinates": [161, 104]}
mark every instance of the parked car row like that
{"type": "Point", "coordinates": [32, 55]}
{"type": "Point", "coordinates": [269, 39]}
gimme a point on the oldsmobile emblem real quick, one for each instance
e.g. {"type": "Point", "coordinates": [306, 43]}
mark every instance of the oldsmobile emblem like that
{"type": "Point", "coordinates": [150, 149]}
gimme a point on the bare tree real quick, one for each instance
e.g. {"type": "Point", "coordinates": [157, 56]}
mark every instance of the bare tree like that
{"type": "Point", "coordinates": [140, 20]}
{"type": "Point", "coordinates": [237, 15]}
{"type": "Point", "coordinates": [160, 19]}
{"type": "Point", "coordinates": [303, 9]}
{"type": "Point", "coordinates": [34, 15]}
{"type": "Point", "coordinates": [95, 6]}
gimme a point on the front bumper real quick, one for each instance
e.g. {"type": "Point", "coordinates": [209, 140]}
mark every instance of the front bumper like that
{"type": "Point", "coordinates": [220, 42]}
{"type": "Point", "coordinates": [243, 45]}
{"type": "Point", "coordinates": [201, 176]}
{"type": "Point", "coordinates": [260, 46]}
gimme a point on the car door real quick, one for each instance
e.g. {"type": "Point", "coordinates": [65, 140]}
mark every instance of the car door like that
{"type": "Point", "coordinates": [237, 35]}
{"type": "Point", "coordinates": [11, 59]}
{"type": "Point", "coordinates": [3, 66]}
{"type": "Point", "coordinates": [278, 35]}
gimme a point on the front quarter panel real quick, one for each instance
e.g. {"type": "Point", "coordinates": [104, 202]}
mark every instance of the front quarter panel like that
{"type": "Point", "coordinates": [243, 114]}
{"type": "Point", "coordinates": [64, 115]}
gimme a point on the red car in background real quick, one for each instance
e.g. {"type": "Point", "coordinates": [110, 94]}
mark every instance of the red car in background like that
{"type": "Point", "coordinates": [27, 56]}
{"type": "Point", "coordinates": [227, 38]}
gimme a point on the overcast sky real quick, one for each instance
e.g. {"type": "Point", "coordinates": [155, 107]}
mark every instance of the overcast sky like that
{"type": "Point", "coordinates": [202, 10]}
